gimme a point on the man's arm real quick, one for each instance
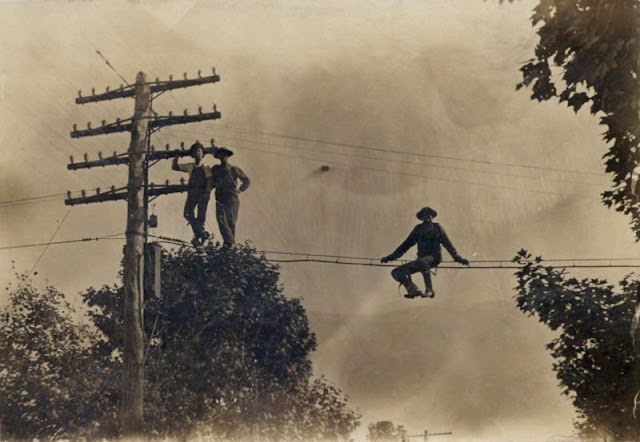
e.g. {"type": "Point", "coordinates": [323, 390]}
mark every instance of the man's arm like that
{"type": "Point", "coordinates": [402, 248]}
{"type": "Point", "coordinates": [244, 179]}
{"type": "Point", "coordinates": [446, 242]}
{"type": "Point", "coordinates": [181, 167]}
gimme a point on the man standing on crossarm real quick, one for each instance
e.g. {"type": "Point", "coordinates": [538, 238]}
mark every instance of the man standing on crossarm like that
{"type": "Point", "coordinates": [224, 177]}
{"type": "Point", "coordinates": [428, 236]}
{"type": "Point", "coordinates": [199, 190]}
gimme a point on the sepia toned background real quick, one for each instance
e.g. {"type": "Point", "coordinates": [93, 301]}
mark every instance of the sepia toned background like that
{"type": "Point", "coordinates": [343, 84]}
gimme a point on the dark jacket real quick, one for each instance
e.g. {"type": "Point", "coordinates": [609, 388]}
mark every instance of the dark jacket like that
{"type": "Point", "coordinates": [428, 237]}
{"type": "Point", "coordinates": [225, 180]}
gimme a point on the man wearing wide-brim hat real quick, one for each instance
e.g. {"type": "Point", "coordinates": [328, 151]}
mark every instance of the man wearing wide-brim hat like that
{"type": "Point", "coordinates": [224, 178]}
{"type": "Point", "coordinates": [427, 236]}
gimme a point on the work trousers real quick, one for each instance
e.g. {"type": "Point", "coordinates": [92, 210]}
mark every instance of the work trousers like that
{"type": "Point", "coordinates": [227, 214]}
{"type": "Point", "coordinates": [196, 202]}
{"type": "Point", "coordinates": [403, 273]}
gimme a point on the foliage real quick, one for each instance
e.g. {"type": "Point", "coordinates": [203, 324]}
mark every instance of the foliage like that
{"type": "Point", "coordinates": [385, 431]}
{"type": "Point", "coordinates": [228, 353]}
{"type": "Point", "coordinates": [592, 349]}
{"type": "Point", "coordinates": [227, 356]}
{"type": "Point", "coordinates": [595, 46]}
{"type": "Point", "coordinates": [50, 383]}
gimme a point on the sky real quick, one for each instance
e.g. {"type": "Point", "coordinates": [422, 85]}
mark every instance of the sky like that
{"type": "Point", "coordinates": [409, 103]}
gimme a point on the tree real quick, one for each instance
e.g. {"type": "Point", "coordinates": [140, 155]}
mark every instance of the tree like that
{"type": "Point", "coordinates": [382, 431]}
{"type": "Point", "coordinates": [50, 383]}
{"type": "Point", "coordinates": [589, 52]}
{"type": "Point", "coordinates": [227, 356]}
{"type": "Point", "coordinates": [227, 353]}
{"type": "Point", "coordinates": [594, 46]}
{"type": "Point", "coordinates": [592, 349]}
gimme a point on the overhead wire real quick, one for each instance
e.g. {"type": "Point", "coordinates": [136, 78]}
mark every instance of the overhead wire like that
{"type": "Point", "coordinates": [336, 259]}
{"type": "Point", "coordinates": [317, 255]}
{"type": "Point", "coordinates": [68, 241]}
{"type": "Point", "coordinates": [52, 137]}
{"type": "Point", "coordinates": [404, 152]}
{"type": "Point", "coordinates": [217, 126]}
{"type": "Point", "coordinates": [422, 163]}
{"type": "Point", "coordinates": [416, 175]}
{"type": "Point", "coordinates": [409, 162]}
{"type": "Point", "coordinates": [30, 199]}
{"type": "Point", "coordinates": [42, 198]}
{"type": "Point", "coordinates": [471, 267]}
{"type": "Point", "coordinates": [4, 204]}
{"type": "Point", "coordinates": [374, 262]}
{"type": "Point", "coordinates": [450, 180]}
{"type": "Point", "coordinates": [365, 147]}
{"type": "Point", "coordinates": [111, 66]}
{"type": "Point", "coordinates": [301, 257]}
{"type": "Point", "coordinates": [50, 240]}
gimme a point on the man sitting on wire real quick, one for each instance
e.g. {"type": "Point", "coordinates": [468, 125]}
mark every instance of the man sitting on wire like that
{"type": "Point", "coordinates": [199, 190]}
{"type": "Point", "coordinates": [428, 236]}
{"type": "Point", "coordinates": [224, 178]}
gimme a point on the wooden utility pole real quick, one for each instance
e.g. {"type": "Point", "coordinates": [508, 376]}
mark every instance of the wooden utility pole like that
{"type": "Point", "coordinates": [131, 403]}
{"type": "Point", "coordinates": [137, 193]}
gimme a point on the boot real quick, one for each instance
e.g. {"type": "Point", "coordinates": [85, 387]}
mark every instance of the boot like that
{"type": "Point", "coordinates": [428, 293]}
{"type": "Point", "coordinates": [412, 290]}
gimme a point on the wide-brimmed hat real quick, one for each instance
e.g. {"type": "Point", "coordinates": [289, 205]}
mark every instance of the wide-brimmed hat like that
{"type": "Point", "coordinates": [426, 211]}
{"type": "Point", "coordinates": [222, 152]}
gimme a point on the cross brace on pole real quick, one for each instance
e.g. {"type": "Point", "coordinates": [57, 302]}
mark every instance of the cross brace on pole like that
{"type": "Point", "coordinates": [156, 121]}
{"type": "Point", "coordinates": [152, 155]}
{"type": "Point", "coordinates": [155, 86]}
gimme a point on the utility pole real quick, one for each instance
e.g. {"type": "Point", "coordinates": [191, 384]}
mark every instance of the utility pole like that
{"type": "Point", "coordinates": [424, 436]}
{"type": "Point", "coordinates": [131, 398]}
{"type": "Point", "coordinates": [137, 193]}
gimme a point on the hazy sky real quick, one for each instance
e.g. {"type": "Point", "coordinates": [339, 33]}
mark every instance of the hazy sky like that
{"type": "Point", "coordinates": [433, 77]}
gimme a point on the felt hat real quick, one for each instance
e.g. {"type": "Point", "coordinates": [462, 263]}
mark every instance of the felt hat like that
{"type": "Point", "coordinates": [426, 211]}
{"type": "Point", "coordinates": [222, 152]}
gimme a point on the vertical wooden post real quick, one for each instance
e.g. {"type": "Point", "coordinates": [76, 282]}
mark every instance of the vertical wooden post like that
{"type": "Point", "coordinates": [131, 405]}
{"type": "Point", "coordinates": [132, 397]}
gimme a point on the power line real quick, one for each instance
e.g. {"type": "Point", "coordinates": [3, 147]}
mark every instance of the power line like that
{"type": "Point", "coordinates": [498, 264]}
{"type": "Point", "coordinates": [450, 180]}
{"type": "Point", "coordinates": [481, 267]}
{"type": "Point", "coordinates": [437, 166]}
{"type": "Point", "coordinates": [377, 149]}
{"type": "Point", "coordinates": [69, 241]}
{"type": "Point", "coordinates": [52, 137]}
{"type": "Point", "coordinates": [364, 147]}
{"type": "Point", "coordinates": [374, 262]}
{"type": "Point", "coordinates": [30, 199]}
{"type": "Point", "coordinates": [394, 151]}
{"type": "Point", "coordinates": [112, 68]}
{"type": "Point", "coordinates": [410, 162]}
{"type": "Point", "coordinates": [318, 255]}
{"type": "Point", "coordinates": [50, 240]}
{"type": "Point", "coordinates": [375, 169]}
{"type": "Point", "coordinates": [365, 262]}
{"type": "Point", "coordinates": [42, 198]}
